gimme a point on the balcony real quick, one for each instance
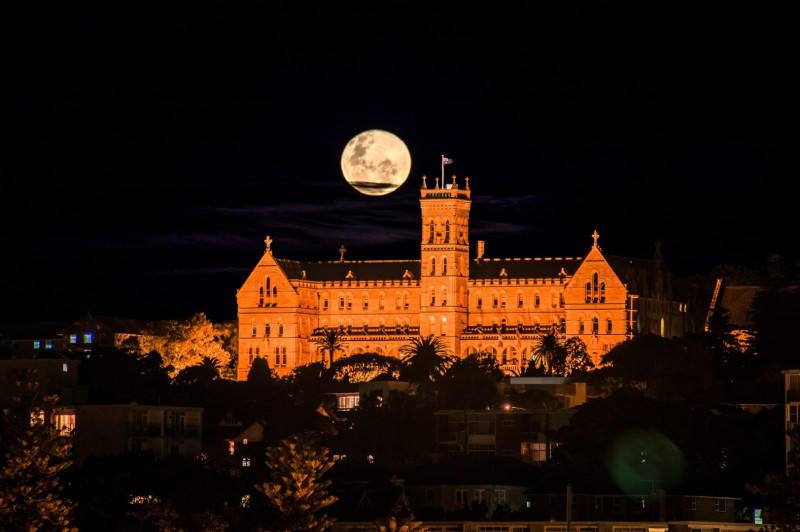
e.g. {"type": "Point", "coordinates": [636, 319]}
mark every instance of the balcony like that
{"type": "Point", "coordinates": [151, 431]}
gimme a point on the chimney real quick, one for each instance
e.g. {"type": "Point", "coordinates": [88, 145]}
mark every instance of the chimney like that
{"type": "Point", "coordinates": [481, 245]}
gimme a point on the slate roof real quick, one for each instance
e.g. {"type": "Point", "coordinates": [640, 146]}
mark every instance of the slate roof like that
{"type": "Point", "coordinates": [547, 268]}
{"type": "Point", "coordinates": [362, 270]}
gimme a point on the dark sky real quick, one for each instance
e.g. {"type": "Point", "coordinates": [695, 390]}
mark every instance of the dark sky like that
{"type": "Point", "coordinates": [148, 151]}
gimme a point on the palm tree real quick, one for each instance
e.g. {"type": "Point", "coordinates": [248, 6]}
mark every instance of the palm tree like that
{"type": "Point", "coordinates": [425, 358]}
{"type": "Point", "coordinates": [404, 524]}
{"type": "Point", "coordinates": [546, 353]}
{"type": "Point", "coordinates": [331, 341]}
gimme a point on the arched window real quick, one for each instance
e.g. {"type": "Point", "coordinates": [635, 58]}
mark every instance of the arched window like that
{"type": "Point", "coordinates": [495, 300]}
{"type": "Point", "coordinates": [588, 292]}
{"type": "Point", "coordinates": [349, 301]}
{"type": "Point", "coordinates": [405, 300]}
{"type": "Point", "coordinates": [267, 284]}
{"type": "Point", "coordinates": [563, 326]}
{"type": "Point", "coordinates": [444, 265]}
{"type": "Point", "coordinates": [260, 296]}
{"type": "Point", "coordinates": [447, 231]}
{"type": "Point", "coordinates": [398, 302]}
{"type": "Point", "coordinates": [433, 265]}
{"type": "Point", "coordinates": [553, 299]}
{"type": "Point", "coordinates": [280, 329]}
{"type": "Point", "coordinates": [380, 301]}
{"type": "Point", "coordinates": [602, 292]}
{"type": "Point", "coordinates": [277, 356]}
{"type": "Point", "coordinates": [431, 231]}
{"type": "Point", "coordinates": [537, 300]}
{"type": "Point", "coordinates": [503, 326]}
{"type": "Point", "coordinates": [479, 300]}
{"type": "Point", "coordinates": [503, 300]}
{"type": "Point", "coordinates": [341, 301]}
{"type": "Point", "coordinates": [433, 296]}
{"type": "Point", "coordinates": [444, 296]}
{"type": "Point", "coordinates": [581, 326]}
{"type": "Point", "coordinates": [595, 325]}
{"type": "Point", "coordinates": [266, 329]}
{"type": "Point", "coordinates": [608, 325]}
{"type": "Point", "coordinates": [274, 294]}
{"type": "Point", "coordinates": [365, 300]}
{"type": "Point", "coordinates": [595, 281]}
{"type": "Point", "coordinates": [519, 299]}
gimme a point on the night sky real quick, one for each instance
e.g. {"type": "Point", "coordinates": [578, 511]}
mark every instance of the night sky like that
{"type": "Point", "coordinates": [148, 151]}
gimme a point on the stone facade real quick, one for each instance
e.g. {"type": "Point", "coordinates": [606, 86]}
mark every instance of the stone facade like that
{"type": "Point", "coordinates": [484, 304]}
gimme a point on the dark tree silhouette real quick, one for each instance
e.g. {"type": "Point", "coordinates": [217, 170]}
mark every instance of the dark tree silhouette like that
{"type": "Point", "coordinates": [331, 341]}
{"type": "Point", "coordinates": [425, 358]}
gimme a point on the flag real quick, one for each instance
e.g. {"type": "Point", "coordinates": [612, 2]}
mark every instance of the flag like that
{"type": "Point", "coordinates": [446, 160]}
{"type": "Point", "coordinates": [499, 340]}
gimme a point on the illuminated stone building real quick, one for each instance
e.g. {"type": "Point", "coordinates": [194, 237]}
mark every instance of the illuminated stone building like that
{"type": "Point", "coordinates": [496, 305]}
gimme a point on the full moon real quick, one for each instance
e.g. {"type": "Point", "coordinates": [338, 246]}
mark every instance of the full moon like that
{"type": "Point", "coordinates": [376, 162]}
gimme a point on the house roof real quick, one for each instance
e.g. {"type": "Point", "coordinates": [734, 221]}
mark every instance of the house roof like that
{"type": "Point", "coordinates": [107, 323]}
{"type": "Point", "coordinates": [738, 301]}
{"type": "Point", "coordinates": [538, 268]}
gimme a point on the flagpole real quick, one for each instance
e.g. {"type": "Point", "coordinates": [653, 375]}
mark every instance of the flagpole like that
{"type": "Point", "coordinates": [442, 170]}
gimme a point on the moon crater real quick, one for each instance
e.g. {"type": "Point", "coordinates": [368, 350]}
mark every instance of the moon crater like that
{"type": "Point", "coordinates": [376, 162]}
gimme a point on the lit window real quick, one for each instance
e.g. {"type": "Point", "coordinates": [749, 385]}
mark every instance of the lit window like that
{"type": "Point", "coordinates": [65, 367]}
{"type": "Point", "coordinates": [245, 461]}
{"type": "Point", "coordinates": [48, 345]}
{"type": "Point", "coordinates": [73, 338]}
{"type": "Point", "coordinates": [64, 424]}
{"type": "Point", "coordinates": [245, 501]}
{"type": "Point", "coordinates": [37, 344]}
{"type": "Point", "coordinates": [244, 441]}
{"type": "Point", "coordinates": [231, 447]}
{"type": "Point", "coordinates": [87, 338]}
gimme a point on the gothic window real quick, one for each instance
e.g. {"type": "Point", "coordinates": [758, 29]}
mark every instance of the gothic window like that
{"type": "Point", "coordinates": [349, 301]}
{"type": "Point", "coordinates": [495, 300]}
{"type": "Point", "coordinates": [553, 299]}
{"type": "Point", "coordinates": [519, 299]}
{"type": "Point", "coordinates": [581, 326]}
{"type": "Point", "coordinates": [602, 292]}
{"type": "Point", "coordinates": [398, 300]}
{"type": "Point", "coordinates": [380, 301]}
{"type": "Point", "coordinates": [561, 300]}
{"type": "Point", "coordinates": [274, 292]}
{"type": "Point", "coordinates": [325, 304]}
{"type": "Point", "coordinates": [260, 296]}
{"type": "Point", "coordinates": [444, 265]}
{"type": "Point", "coordinates": [283, 352]}
{"type": "Point", "coordinates": [268, 287]}
{"type": "Point", "coordinates": [433, 265]}
{"type": "Point", "coordinates": [251, 356]}
{"type": "Point", "coordinates": [479, 301]}
{"type": "Point", "coordinates": [503, 300]}
{"type": "Point", "coordinates": [536, 300]}
{"type": "Point", "coordinates": [447, 231]}
{"type": "Point", "coordinates": [277, 356]}
{"type": "Point", "coordinates": [595, 325]}
{"type": "Point", "coordinates": [257, 352]}
{"type": "Point", "coordinates": [280, 329]}
{"type": "Point", "coordinates": [608, 325]}
{"type": "Point", "coordinates": [266, 329]}
{"type": "Point", "coordinates": [503, 326]}
{"type": "Point", "coordinates": [255, 330]}
{"type": "Point", "coordinates": [433, 296]}
{"type": "Point", "coordinates": [405, 300]}
{"type": "Point", "coordinates": [595, 287]}
{"type": "Point", "coordinates": [563, 326]}
{"type": "Point", "coordinates": [365, 299]}
{"type": "Point", "coordinates": [431, 231]}
{"type": "Point", "coordinates": [588, 292]}
{"type": "Point", "coordinates": [444, 296]}
{"type": "Point", "coordinates": [341, 301]}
